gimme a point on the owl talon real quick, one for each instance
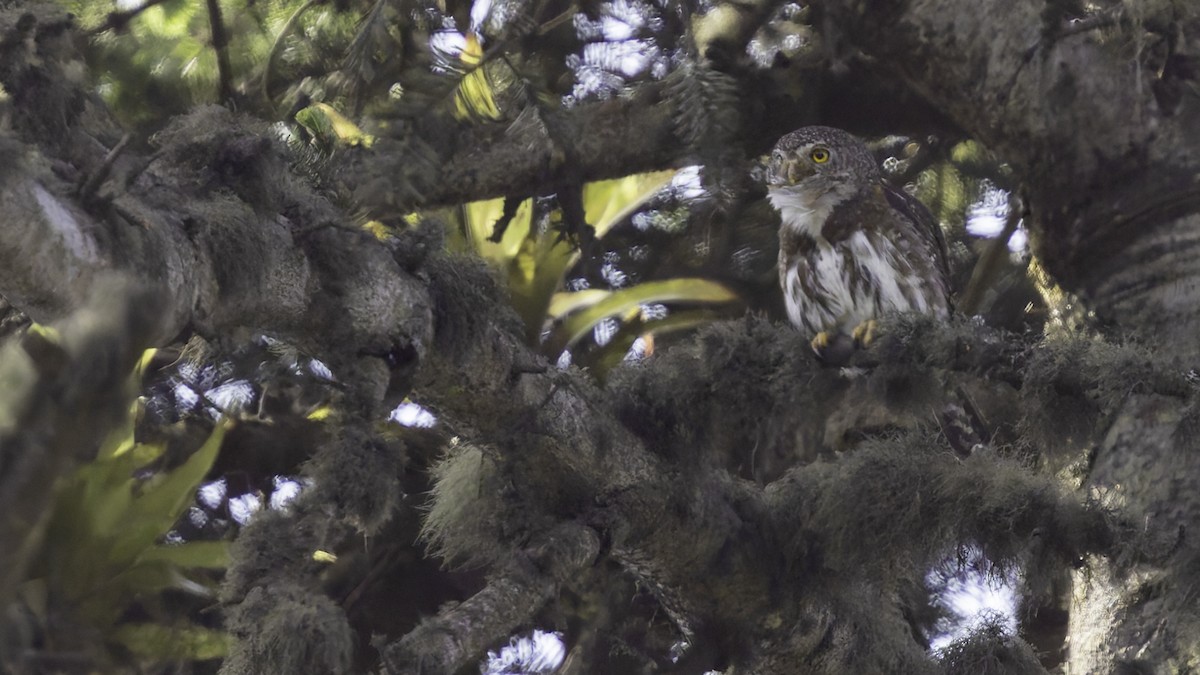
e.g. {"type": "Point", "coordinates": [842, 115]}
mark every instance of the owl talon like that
{"type": "Point", "coordinates": [864, 333]}
{"type": "Point", "coordinates": [820, 342]}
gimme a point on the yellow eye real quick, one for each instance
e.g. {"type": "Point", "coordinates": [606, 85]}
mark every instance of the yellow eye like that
{"type": "Point", "coordinates": [819, 155]}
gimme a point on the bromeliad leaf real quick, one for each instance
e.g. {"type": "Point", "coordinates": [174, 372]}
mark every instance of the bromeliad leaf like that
{"type": "Point", "coordinates": [474, 97]}
{"type": "Point", "coordinates": [562, 304]}
{"type": "Point", "coordinates": [607, 202]}
{"type": "Point", "coordinates": [686, 290]}
{"type": "Point", "coordinates": [187, 643]}
{"type": "Point", "coordinates": [481, 218]}
{"type": "Point", "coordinates": [535, 263]}
{"type": "Point", "coordinates": [330, 127]}
{"type": "Point", "coordinates": [105, 520]}
{"type": "Point", "coordinates": [603, 360]}
{"type": "Point", "coordinates": [205, 554]}
{"type": "Point", "coordinates": [164, 499]}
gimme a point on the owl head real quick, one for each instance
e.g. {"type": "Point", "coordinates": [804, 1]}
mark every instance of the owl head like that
{"type": "Point", "coordinates": [819, 164]}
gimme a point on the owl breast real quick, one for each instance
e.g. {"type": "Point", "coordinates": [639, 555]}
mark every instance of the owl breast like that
{"type": "Point", "coordinates": [836, 286]}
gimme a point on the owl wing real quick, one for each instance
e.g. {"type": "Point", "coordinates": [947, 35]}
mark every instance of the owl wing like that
{"type": "Point", "coordinates": [911, 208]}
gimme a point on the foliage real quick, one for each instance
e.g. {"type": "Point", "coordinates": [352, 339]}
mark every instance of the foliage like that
{"type": "Point", "coordinates": [104, 549]}
{"type": "Point", "coordinates": [535, 260]}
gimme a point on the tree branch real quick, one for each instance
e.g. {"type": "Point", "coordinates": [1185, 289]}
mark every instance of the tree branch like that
{"type": "Point", "coordinates": [220, 44]}
{"type": "Point", "coordinates": [602, 140]}
{"type": "Point", "coordinates": [456, 637]}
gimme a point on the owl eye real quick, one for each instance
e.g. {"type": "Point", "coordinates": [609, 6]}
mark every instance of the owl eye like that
{"type": "Point", "coordinates": [819, 155]}
{"type": "Point", "coordinates": [777, 155]}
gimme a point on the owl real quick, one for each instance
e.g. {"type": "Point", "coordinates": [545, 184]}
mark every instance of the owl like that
{"type": "Point", "coordinates": [851, 248]}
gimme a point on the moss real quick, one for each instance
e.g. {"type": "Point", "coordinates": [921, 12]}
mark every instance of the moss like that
{"type": "Point", "coordinates": [915, 502]}
{"type": "Point", "coordinates": [467, 300]}
{"type": "Point", "coordinates": [726, 389]}
{"type": "Point", "coordinates": [961, 343]}
{"type": "Point", "coordinates": [359, 475]}
{"type": "Point", "coordinates": [414, 243]}
{"type": "Point", "coordinates": [990, 650]}
{"type": "Point", "coordinates": [1074, 385]}
{"type": "Point", "coordinates": [287, 628]}
{"type": "Point", "coordinates": [466, 513]}
{"type": "Point", "coordinates": [273, 544]}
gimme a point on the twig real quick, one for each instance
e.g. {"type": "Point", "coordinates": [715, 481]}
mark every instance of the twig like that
{"type": "Point", "coordinates": [559, 20]}
{"type": "Point", "coordinates": [89, 187]}
{"type": "Point", "coordinates": [220, 43]}
{"type": "Point", "coordinates": [458, 634]}
{"type": "Point", "coordinates": [989, 264]}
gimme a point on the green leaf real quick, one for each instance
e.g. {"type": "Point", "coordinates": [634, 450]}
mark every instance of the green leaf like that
{"type": "Point", "coordinates": [535, 273]}
{"type": "Point", "coordinates": [474, 97]}
{"type": "Point", "coordinates": [562, 304]}
{"type": "Point", "coordinates": [535, 265]}
{"type": "Point", "coordinates": [186, 643]}
{"type": "Point", "coordinates": [163, 500]}
{"type": "Point", "coordinates": [481, 220]}
{"type": "Point", "coordinates": [139, 581]}
{"type": "Point", "coordinates": [331, 127]}
{"type": "Point", "coordinates": [607, 202]}
{"type": "Point", "coordinates": [206, 554]}
{"type": "Point", "coordinates": [621, 302]}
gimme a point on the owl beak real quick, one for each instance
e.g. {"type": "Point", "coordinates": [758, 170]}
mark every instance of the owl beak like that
{"type": "Point", "coordinates": [789, 172]}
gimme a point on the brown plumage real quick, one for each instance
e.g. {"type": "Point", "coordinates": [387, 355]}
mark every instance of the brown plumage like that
{"type": "Point", "coordinates": [851, 248]}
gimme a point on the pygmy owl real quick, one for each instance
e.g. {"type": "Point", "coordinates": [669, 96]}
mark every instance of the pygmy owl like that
{"type": "Point", "coordinates": [851, 247]}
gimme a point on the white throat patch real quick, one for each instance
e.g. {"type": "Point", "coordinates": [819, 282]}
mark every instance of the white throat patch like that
{"type": "Point", "coordinates": [802, 211]}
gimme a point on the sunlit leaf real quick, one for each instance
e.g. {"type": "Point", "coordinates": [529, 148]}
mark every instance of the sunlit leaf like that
{"type": "Point", "coordinates": [481, 220]}
{"type": "Point", "coordinates": [48, 333]}
{"type": "Point", "coordinates": [326, 123]}
{"type": "Point", "coordinates": [170, 20]}
{"type": "Point", "coordinates": [474, 96]}
{"type": "Point", "coordinates": [535, 275]}
{"type": "Point", "coordinates": [187, 642]}
{"type": "Point", "coordinates": [535, 266]}
{"type": "Point", "coordinates": [321, 414]}
{"type": "Point", "coordinates": [562, 304]}
{"type": "Point", "coordinates": [687, 290]}
{"type": "Point", "coordinates": [608, 202]}
{"type": "Point", "coordinates": [121, 438]}
{"type": "Point", "coordinates": [139, 371]}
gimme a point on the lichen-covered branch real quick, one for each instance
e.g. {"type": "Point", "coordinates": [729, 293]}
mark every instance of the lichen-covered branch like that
{"type": "Point", "coordinates": [459, 635]}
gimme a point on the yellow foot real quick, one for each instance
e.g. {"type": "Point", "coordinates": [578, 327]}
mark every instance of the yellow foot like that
{"type": "Point", "coordinates": [820, 342]}
{"type": "Point", "coordinates": [864, 333]}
